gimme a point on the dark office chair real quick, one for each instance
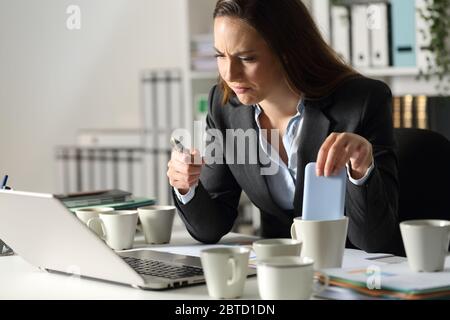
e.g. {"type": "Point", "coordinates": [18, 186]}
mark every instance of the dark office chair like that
{"type": "Point", "coordinates": [424, 175]}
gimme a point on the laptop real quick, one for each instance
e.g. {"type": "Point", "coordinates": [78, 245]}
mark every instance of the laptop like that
{"type": "Point", "coordinates": [40, 229]}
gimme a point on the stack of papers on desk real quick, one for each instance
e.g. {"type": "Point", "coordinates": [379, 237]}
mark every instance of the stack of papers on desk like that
{"type": "Point", "coordinates": [187, 248]}
{"type": "Point", "coordinates": [390, 279]}
{"type": "Point", "coordinates": [195, 251]}
{"type": "Point", "coordinates": [130, 204]}
{"type": "Point", "coordinates": [114, 198]}
{"type": "Point", "coordinates": [85, 199]}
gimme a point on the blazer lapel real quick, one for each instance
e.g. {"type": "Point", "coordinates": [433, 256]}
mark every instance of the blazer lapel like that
{"type": "Point", "coordinates": [254, 184]}
{"type": "Point", "coordinates": [314, 131]}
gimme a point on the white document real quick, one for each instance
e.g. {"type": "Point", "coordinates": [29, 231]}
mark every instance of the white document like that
{"type": "Point", "coordinates": [360, 36]}
{"type": "Point", "coordinates": [377, 14]}
{"type": "Point", "coordinates": [196, 250]}
{"type": "Point", "coordinates": [354, 258]}
{"type": "Point", "coordinates": [340, 28]}
{"type": "Point", "coordinates": [398, 277]}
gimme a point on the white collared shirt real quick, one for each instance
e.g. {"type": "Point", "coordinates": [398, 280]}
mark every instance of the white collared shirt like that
{"type": "Point", "coordinates": [286, 174]}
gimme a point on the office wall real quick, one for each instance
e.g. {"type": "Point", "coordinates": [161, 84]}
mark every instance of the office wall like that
{"type": "Point", "coordinates": [54, 81]}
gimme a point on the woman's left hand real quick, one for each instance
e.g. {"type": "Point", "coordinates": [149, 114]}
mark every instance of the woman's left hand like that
{"type": "Point", "coordinates": [340, 148]}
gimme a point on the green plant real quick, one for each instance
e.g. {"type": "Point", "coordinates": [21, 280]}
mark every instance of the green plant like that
{"type": "Point", "coordinates": [436, 16]}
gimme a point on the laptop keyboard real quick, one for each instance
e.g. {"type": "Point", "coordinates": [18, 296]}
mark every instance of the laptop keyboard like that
{"type": "Point", "coordinates": [162, 269]}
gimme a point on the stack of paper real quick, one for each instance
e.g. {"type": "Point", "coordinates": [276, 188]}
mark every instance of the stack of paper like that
{"type": "Point", "coordinates": [393, 280]}
{"type": "Point", "coordinates": [132, 203]}
{"type": "Point", "coordinates": [93, 198]}
{"type": "Point", "coordinates": [203, 53]}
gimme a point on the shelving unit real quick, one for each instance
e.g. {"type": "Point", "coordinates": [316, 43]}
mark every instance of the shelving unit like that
{"type": "Point", "coordinates": [402, 80]}
{"type": "Point", "coordinates": [389, 72]}
{"type": "Point", "coordinates": [202, 75]}
{"type": "Point", "coordinates": [198, 22]}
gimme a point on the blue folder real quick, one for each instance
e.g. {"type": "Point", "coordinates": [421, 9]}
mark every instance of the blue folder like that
{"type": "Point", "coordinates": [403, 26]}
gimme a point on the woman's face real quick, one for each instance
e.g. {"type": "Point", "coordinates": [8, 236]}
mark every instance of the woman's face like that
{"type": "Point", "coordinates": [245, 61]}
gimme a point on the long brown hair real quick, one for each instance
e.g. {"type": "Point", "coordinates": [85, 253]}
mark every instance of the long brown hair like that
{"type": "Point", "coordinates": [311, 66]}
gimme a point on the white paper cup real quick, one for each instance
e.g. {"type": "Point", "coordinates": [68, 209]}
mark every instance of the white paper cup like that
{"type": "Point", "coordinates": [225, 271]}
{"type": "Point", "coordinates": [157, 223]}
{"type": "Point", "coordinates": [323, 240]}
{"type": "Point", "coordinates": [267, 248]}
{"type": "Point", "coordinates": [426, 243]}
{"type": "Point", "coordinates": [288, 278]}
{"type": "Point", "coordinates": [88, 213]}
{"type": "Point", "coordinates": [118, 228]}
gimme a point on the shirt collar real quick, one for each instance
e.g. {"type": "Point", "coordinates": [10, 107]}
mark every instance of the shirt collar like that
{"type": "Point", "coordinates": [300, 108]}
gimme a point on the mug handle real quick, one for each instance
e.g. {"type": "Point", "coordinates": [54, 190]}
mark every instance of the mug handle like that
{"type": "Point", "coordinates": [96, 219]}
{"type": "Point", "coordinates": [448, 252]}
{"type": "Point", "coordinates": [318, 287]}
{"type": "Point", "coordinates": [234, 272]}
{"type": "Point", "coordinates": [249, 247]}
{"type": "Point", "coordinates": [293, 234]}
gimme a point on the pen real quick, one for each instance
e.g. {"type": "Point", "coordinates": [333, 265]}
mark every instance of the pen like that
{"type": "Point", "coordinates": [5, 180]}
{"type": "Point", "coordinates": [177, 145]}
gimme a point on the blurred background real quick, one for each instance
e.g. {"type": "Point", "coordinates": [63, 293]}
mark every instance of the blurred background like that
{"type": "Point", "coordinates": [91, 90]}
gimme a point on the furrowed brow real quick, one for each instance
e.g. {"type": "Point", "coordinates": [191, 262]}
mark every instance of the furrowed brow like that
{"type": "Point", "coordinates": [237, 53]}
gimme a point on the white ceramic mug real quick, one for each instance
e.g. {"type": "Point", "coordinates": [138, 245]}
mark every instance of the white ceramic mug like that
{"type": "Point", "coordinates": [426, 243]}
{"type": "Point", "coordinates": [157, 222]}
{"type": "Point", "coordinates": [323, 240]}
{"type": "Point", "coordinates": [225, 271]}
{"type": "Point", "coordinates": [267, 248]}
{"type": "Point", "coordinates": [89, 213]}
{"type": "Point", "coordinates": [289, 278]}
{"type": "Point", "coordinates": [118, 228]}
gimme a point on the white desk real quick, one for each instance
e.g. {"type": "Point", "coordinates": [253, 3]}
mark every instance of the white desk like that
{"type": "Point", "coordinates": [20, 280]}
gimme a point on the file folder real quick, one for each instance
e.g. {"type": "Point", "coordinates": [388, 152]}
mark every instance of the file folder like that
{"type": "Point", "coordinates": [403, 21]}
{"type": "Point", "coordinates": [130, 204]}
{"type": "Point", "coordinates": [395, 280]}
{"type": "Point", "coordinates": [340, 38]}
{"type": "Point", "coordinates": [379, 35]}
{"type": "Point", "coordinates": [360, 36]}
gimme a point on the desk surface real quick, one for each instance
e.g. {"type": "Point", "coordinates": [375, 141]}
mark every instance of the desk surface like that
{"type": "Point", "coordinates": [20, 280]}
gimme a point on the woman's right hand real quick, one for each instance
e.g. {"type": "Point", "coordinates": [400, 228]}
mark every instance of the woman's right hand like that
{"type": "Point", "coordinates": [184, 170]}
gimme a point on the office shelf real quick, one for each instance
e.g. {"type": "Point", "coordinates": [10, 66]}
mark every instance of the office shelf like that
{"type": "Point", "coordinates": [389, 72]}
{"type": "Point", "coordinates": [401, 79]}
{"type": "Point", "coordinates": [204, 74]}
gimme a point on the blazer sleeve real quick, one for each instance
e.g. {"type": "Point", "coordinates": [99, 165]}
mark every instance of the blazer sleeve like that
{"type": "Point", "coordinates": [372, 207]}
{"type": "Point", "coordinates": [213, 209]}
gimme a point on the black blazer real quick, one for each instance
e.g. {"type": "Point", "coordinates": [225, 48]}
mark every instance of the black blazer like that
{"type": "Point", "coordinates": [362, 106]}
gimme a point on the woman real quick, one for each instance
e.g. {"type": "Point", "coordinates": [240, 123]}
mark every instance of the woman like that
{"type": "Point", "coordinates": [277, 75]}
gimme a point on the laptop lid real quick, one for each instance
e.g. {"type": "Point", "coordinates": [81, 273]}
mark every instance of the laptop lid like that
{"type": "Point", "coordinates": [45, 233]}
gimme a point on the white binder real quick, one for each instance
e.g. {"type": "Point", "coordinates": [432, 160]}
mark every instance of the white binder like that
{"type": "Point", "coordinates": [340, 39]}
{"type": "Point", "coordinates": [377, 15]}
{"type": "Point", "coordinates": [321, 13]}
{"type": "Point", "coordinates": [360, 36]}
